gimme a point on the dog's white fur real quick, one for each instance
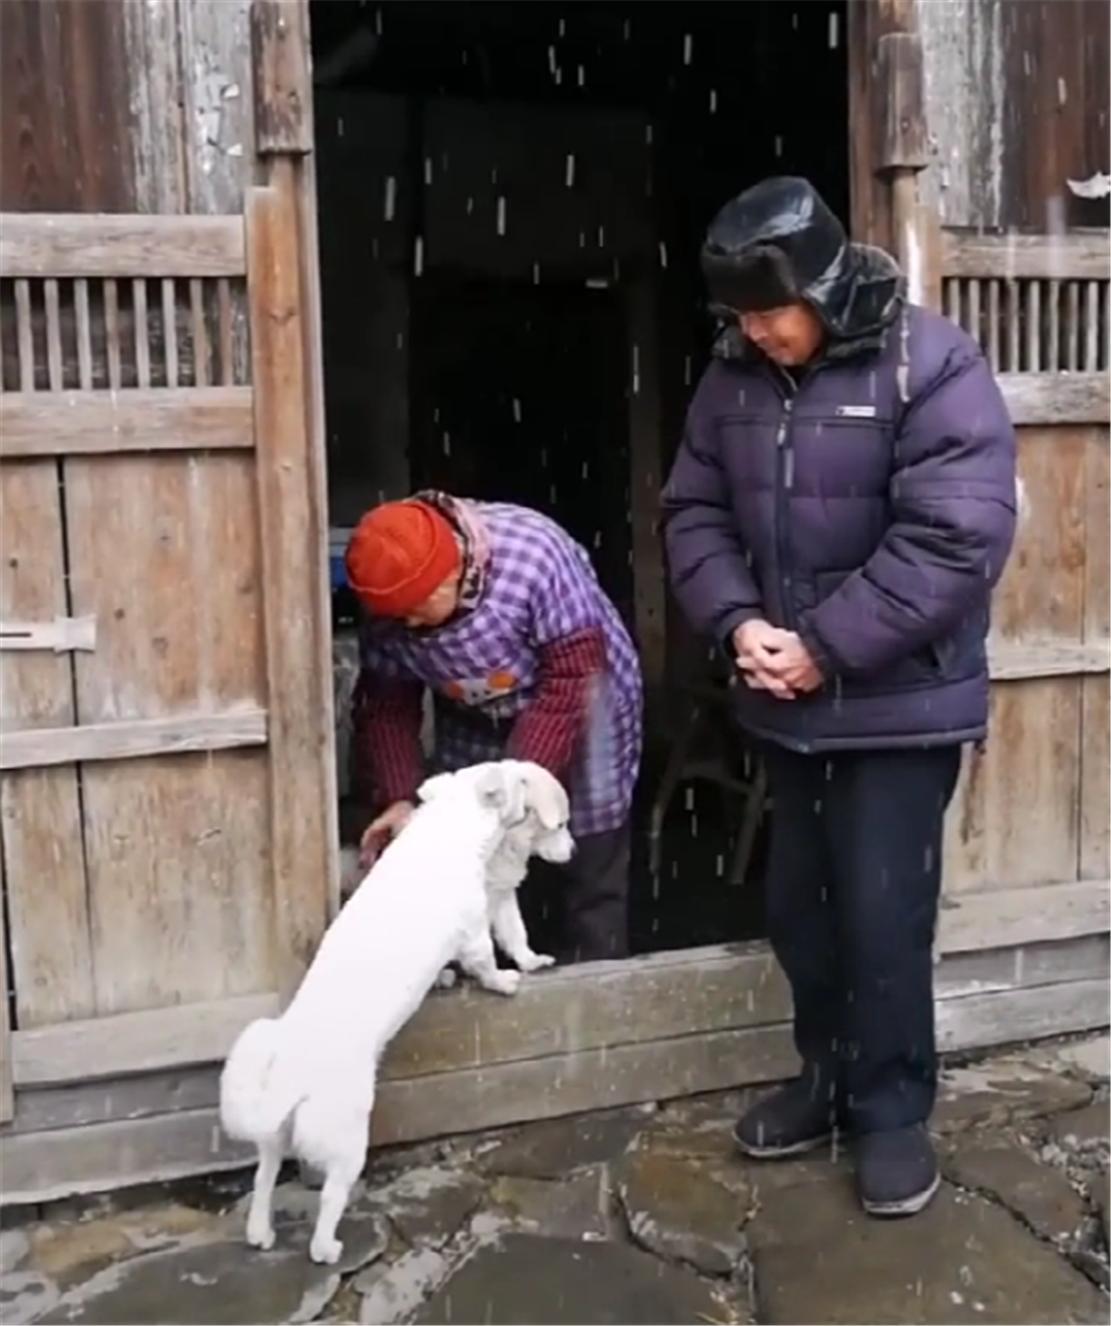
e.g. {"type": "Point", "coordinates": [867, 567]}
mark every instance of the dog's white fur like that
{"type": "Point", "coordinates": [304, 1082]}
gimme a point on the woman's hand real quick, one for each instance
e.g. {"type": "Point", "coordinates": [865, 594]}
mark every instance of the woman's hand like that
{"type": "Point", "coordinates": [382, 831]}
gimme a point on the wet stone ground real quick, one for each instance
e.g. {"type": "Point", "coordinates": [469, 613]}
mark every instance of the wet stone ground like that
{"type": "Point", "coordinates": [634, 1216]}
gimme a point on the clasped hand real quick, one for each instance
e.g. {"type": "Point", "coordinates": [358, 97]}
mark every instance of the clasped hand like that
{"type": "Point", "coordinates": [774, 660]}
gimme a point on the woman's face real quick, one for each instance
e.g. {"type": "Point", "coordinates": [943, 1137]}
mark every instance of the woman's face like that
{"type": "Point", "coordinates": [789, 336]}
{"type": "Point", "coordinates": [437, 607]}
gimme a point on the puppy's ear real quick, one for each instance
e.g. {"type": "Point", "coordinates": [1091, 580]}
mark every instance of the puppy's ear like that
{"type": "Point", "coordinates": [432, 787]}
{"type": "Point", "coordinates": [548, 799]}
{"type": "Point", "coordinates": [501, 787]}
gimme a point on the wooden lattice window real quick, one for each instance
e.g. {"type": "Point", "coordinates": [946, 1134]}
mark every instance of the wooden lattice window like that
{"type": "Point", "coordinates": [76, 331]}
{"type": "Point", "coordinates": [1035, 303]}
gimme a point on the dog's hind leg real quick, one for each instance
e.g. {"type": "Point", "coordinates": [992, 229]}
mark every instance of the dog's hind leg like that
{"type": "Point", "coordinates": [343, 1169]}
{"type": "Point", "coordinates": [260, 1228]}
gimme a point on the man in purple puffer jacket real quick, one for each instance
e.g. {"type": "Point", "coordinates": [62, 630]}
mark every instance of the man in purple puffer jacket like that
{"type": "Point", "coordinates": [841, 507]}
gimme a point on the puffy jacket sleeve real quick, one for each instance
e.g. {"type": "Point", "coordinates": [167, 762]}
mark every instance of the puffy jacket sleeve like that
{"type": "Point", "coordinates": [710, 573]}
{"type": "Point", "coordinates": [952, 501]}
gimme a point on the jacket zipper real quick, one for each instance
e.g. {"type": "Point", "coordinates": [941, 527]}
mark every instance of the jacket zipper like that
{"type": "Point", "coordinates": [783, 458]}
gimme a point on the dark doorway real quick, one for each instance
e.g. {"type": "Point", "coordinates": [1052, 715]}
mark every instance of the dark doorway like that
{"type": "Point", "coordinates": [511, 203]}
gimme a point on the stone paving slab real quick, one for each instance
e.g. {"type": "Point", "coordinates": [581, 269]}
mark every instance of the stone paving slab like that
{"type": "Point", "coordinates": [518, 1279]}
{"type": "Point", "coordinates": [573, 1208]}
{"type": "Point", "coordinates": [555, 1147]}
{"type": "Point", "coordinates": [1002, 1090]}
{"type": "Point", "coordinates": [1039, 1195]}
{"type": "Point", "coordinates": [818, 1258]}
{"type": "Point", "coordinates": [678, 1210]}
{"type": "Point", "coordinates": [1085, 1131]}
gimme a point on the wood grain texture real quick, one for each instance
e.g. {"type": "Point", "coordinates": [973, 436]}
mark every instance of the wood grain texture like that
{"type": "Point", "coordinates": [57, 244]}
{"type": "Point", "coordinates": [1056, 398]}
{"type": "Point", "coordinates": [73, 423]}
{"type": "Point", "coordinates": [283, 86]}
{"type": "Point", "coordinates": [132, 738]}
{"type": "Point", "coordinates": [7, 1095]}
{"type": "Point", "coordinates": [1077, 255]}
{"type": "Point", "coordinates": [1095, 752]}
{"type": "Point", "coordinates": [292, 519]}
{"type": "Point", "coordinates": [42, 832]}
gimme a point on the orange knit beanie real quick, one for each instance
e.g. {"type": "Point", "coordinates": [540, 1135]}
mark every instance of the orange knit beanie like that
{"type": "Point", "coordinates": [398, 555]}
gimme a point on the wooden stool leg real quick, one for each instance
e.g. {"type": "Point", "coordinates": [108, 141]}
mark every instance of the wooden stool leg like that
{"type": "Point", "coordinates": [750, 826]}
{"type": "Point", "coordinates": [669, 781]}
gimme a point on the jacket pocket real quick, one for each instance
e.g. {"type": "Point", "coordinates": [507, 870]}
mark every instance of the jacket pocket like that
{"type": "Point", "coordinates": [921, 667]}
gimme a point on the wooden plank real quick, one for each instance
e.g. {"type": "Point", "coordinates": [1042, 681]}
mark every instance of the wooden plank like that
{"type": "Point", "coordinates": [1051, 658]}
{"type": "Point", "coordinates": [1055, 397]}
{"type": "Point", "coordinates": [131, 738]}
{"type": "Point", "coordinates": [7, 1096]}
{"type": "Point", "coordinates": [283, 84]}
{"type": "Point", "coordinates": [143, 1042]}
{"type": "Point", "coordinates": [1013, 917]}
{"type": "Point", "coordinates": [169, 331]}
{"type": "Point", "coordinates": [99, 1157]}
{"type": "Point", "coordinates": [42, 837]}
{"type": "Point", "coordinates": [177, 845]}
{"type": "Point", "coordinates": [297, 617]}
{"type": "Point", "coordinates": [977, 1021]}
{"type": "Point", "coordinates": [899, 72]}
{"type": "Point", "coordinates": [73, 423]}
{"type": "Point", "coordinates": [1041, 596]}
{"type": "Point", "coordinates": [1079, 255]}
{"type": "Point", "coordinates": [112, 334]}
{"type": "Point", "coordinates": [135, 1096]}
{"type": "Point", "coordinates": [663, 997]}
{"type": "Point", "coordinates": [142, 332]}
{"type": "Point", "coordinates": [106, 245]}
{"type": "Point", "coordinates": [53, 335]}
{"type": "Point", "coordinates": [60, 635]}
{"type": "Point", "coordinates": [84, 336]}
{"type": "Point", "coordinates": [200, 333]}
{"type": "Point", "coordinates": [1095, 757]}
{"type": "Point", "coordinates": [23, 334]}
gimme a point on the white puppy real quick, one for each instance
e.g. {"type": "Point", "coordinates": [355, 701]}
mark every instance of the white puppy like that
{"type": "Point", "coordinates": [304, 1082]}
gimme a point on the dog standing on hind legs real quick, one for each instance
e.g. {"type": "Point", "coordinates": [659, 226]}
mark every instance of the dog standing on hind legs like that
{"type": "Point", "coordinates": [304, 1083]}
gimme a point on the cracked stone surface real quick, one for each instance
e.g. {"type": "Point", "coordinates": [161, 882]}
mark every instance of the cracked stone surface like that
{"type": "Point", "coordinates": [225, 1282]}
{"type": "Point", "coordinates": [521, 1279]}
{"type": "Point", "coordinates": [641, 1214]}
{"type": "Point", "coordinates": [963, 1259]}
{"type": "Point", "coordinates": [574, 1208]}
{"type": "Point", "coordinates": [1039, 1195]}
{"type": "Point", "coordinates": [675, 1208]}
{"type": "Point", "coordinates": [551, 1149]}
{"type": "Point", "coordinates": [1089, 1059]}
{"type": "Point", "coordinates": [995, 1092]}
{"type": "Point", "coordinates": [1085, 1131]}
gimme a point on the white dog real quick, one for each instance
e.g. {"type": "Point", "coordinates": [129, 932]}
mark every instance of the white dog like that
{"type": "Point", "coordinates": [305, 1081]}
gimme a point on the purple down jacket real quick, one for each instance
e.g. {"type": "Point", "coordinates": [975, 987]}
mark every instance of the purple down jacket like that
{"type": "Point", "coordinates": [870, 508]}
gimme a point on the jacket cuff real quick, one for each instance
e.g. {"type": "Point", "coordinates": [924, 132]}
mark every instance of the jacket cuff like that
{"type": "Point", "coordinates": [729, 624]}
{"type": "Point", "coordinates": [827, 665]}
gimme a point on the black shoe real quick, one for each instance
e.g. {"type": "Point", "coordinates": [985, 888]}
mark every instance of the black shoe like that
{"type": "Point", "coordinates": [896, 1172]}
{"type": "Point", "coordinates": [798, 1117]}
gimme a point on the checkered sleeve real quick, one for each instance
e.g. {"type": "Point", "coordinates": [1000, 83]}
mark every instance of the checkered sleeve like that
{"type": "Point", "coordinates": [564, 592]}
{"type": "Point", "coordinates": [549, 727]}
{"type": "Point", "coordinates": [386, 722]}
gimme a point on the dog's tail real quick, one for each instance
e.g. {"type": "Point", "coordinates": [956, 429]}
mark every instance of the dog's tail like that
{"type": "Point", "coordinates": [254, 1100]}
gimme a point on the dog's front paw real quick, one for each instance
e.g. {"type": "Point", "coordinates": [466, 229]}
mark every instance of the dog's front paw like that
{"type": "Point", "coordinates": [325, 1251]}
{"type": "Point", "coordinates": [503, 982]}
{"type": "Point", "coordinates": [261, 1236]}
{"type": "Point", "coordinates": [536, 962]}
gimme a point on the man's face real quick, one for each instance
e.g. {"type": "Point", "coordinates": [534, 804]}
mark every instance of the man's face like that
{"type": "Point", "coordinates": [437, 607]}
{"type": "Point", "coordinates": [789, 336]}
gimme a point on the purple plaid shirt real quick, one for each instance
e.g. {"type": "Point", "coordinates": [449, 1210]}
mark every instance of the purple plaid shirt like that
{"type": "Point", "coordinates": [482, 667]}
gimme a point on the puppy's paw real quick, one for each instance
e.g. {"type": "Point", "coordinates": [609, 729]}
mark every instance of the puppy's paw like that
{"type": "Point", "coordinates": [261, 1236]}
{"type": "Point", "coordinates": [325, 1252]}
{"type": "Point", "coordinates": [503, 982]}
{"type": "Point", "coordinates": [536, 962]}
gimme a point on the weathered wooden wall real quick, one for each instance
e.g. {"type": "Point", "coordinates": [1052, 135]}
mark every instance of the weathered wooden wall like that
{"type": "Point", "coordinates": [1017, 104]}
{"type": "Point", "coordinates": [142, 106]}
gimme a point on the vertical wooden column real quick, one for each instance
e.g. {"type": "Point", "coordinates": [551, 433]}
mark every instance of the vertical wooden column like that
{"type": "Point", "coordinates": [904, 154]}
{"type": "Point", "coordinates": [283, 289]}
